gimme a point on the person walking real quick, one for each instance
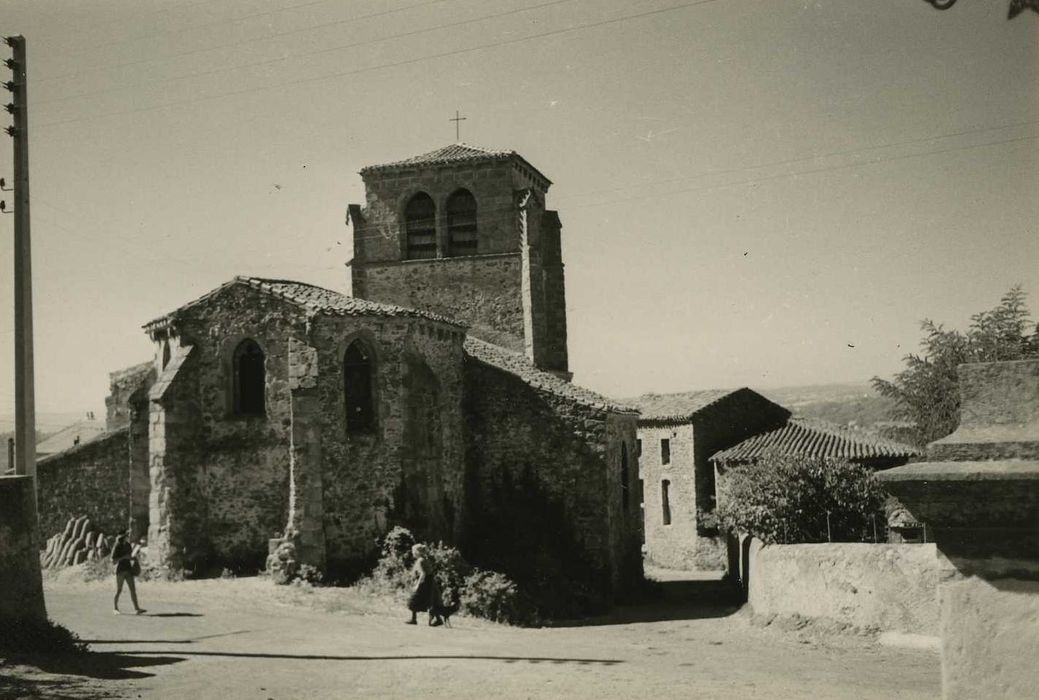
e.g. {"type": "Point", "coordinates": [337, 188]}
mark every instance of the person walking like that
{"type": "Point", "coordinates": [122, 557]}
{"type": "Point", "coordinates": [424, 591]}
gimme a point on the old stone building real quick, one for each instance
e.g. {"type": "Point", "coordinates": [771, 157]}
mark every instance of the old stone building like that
{"type": "Point", "coordinates": [437, 397]}
{"type": "Point", "coordinates": [677, 435]}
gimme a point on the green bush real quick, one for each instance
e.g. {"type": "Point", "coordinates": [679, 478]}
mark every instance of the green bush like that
{"type": "Point", "coordinates": [493, 596]}
{"type": "Point", "coordinates": [485, 594]}
{"type": "Point", "coordinates": [787, 499]}
{"type": "Point", "coordinates": [22, 635]}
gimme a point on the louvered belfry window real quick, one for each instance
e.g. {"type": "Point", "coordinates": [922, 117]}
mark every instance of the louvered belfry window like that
{"type": "Point", "coordinates": [420, 224]}
{"type": "Point", "coordinates": [461, 223]}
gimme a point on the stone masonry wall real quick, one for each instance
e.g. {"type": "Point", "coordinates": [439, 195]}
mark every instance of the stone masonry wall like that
{"type": "Point", "coordinates": [999, 413]}
{"type": "Point", "coordinates": [368, 478]}
{"type": "Point", "coordinates": [226, 476]}
{"type": "Point", "coordinates": [90, 479]}
{"type": "Point", "coordinates": [483, 292]}
{"type": "Point", "coordinates": [669, 545]}
{"type": "Point", "coordinates": [20, 580]}
{"type": "Point", "coordinates": [123, 385]}
{"type": "Point", "coordinates": [543, 492]}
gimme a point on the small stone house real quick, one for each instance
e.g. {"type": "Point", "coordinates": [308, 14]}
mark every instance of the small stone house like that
{"type": "Point", "coordinates": [677, 434]}
{"type": "Point", "coordinates": [437, 397]}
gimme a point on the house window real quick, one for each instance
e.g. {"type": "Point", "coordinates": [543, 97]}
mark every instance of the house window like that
{"type": "Point", "coordinates": [357, 388]}
{"type": "Point", "coordinates": [665, 451]}
{"type": "Point", "coordinates": [638, 448]}
{"type": "Point", "coordinates": [249, 379]}
{"type": "Point", "coordinates": [665, 501]}
{"type": "Point", "coordinates": [461, 223]}
{"type": "Point", "coordinates": [420, 225]}
{"type": "Point", "coordinates": [625, 483]}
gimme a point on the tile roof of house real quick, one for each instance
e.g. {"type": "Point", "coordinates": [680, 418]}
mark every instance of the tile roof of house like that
{"type": "Point", "coordinates": [519, 366]}
{"type": "Point", "coordinates": [455, 153]}
{"type": "Point", "coordinates": [678, 407]}
{"type": "Point", "coordinates": [71, 448]}
{"type": "Point", "coordinates": [317, 300]}
{"type": "Point", "coordinates": [815, 439]}
{"type": "Point", "coordinates": [71, 435]}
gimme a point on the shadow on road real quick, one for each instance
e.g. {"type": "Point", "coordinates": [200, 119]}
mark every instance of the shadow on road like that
{"type": "Point", "coordinates": [416, 657]}
{"type": "Point", "coordinates": [100, 665]}
{"type": "Point", "coordinates": [674, 600]}
{"type": "Point", "coordinates": [173, 614]}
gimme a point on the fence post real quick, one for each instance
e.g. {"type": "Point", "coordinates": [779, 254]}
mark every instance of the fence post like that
{"type": "Point", "coordinates": [829, 535]}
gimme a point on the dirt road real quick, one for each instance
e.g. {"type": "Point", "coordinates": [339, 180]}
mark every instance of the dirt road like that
{"type": "Point", "coordinates": [246, 639]}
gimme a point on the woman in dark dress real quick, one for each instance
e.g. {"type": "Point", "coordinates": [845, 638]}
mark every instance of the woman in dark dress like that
{"type": "Point", "coordinates": [122, 556]}
{"type": "Point", "coordinates": [424, 592]}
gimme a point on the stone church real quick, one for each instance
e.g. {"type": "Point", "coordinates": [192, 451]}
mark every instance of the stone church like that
{"type": "Point", "coordinates": [437, 397]}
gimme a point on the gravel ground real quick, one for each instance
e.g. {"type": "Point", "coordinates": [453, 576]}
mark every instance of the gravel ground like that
{"type": "Point", "coordinates": [245, 638]}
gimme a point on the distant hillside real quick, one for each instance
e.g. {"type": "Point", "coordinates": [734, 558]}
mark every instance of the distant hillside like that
{"type": "Point", "coordinates": [844, 404]}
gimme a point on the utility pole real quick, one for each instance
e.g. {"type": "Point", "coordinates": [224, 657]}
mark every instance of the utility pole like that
{"type": "Point", "coordinates": [24, 390]}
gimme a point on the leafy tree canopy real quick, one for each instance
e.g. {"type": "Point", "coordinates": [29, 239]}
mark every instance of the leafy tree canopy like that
{"type": "Point", "coordinates": [791, 499]}
{"type": "Point", "coordinates": [926, 392]}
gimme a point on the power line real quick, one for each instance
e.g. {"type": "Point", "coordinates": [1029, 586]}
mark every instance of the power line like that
{"type": "Point", "coordinates": [183, 30]}
{"type": "Point", "coordinates": [222, 46]}
{"type": "Point", "coordinates": [805, 159]}
{"type": "Point", "coordinates": [406, 62]}
{"type": "Point", "coordinates": [845, 166]}
{"type": "Point", "coordinates": [283, 59]}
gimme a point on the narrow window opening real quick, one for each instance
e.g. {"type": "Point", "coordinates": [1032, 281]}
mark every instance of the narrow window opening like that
{"type": "Point", "coordinates": [357, 388]}
{"type": "Point", "coordinates": [420, 225]}
{"type": "Point", "coordinates": [625, 483]}
{"type": "Point", "coordinates": [665, 451]}
{"type": "Point", "coordinates": [461, 224]}
{"type": "Point", "coordinates": [165, 353]}
{"type": "Point", "coordinates": [638, 448]}
{"type": "Point", "coordinates": [249, 379]}
{"type": "Point", "coordinates": [665, 501]}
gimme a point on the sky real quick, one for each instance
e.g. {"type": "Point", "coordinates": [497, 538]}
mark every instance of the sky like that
{"type": "Point", "coordinates": [752, 194]}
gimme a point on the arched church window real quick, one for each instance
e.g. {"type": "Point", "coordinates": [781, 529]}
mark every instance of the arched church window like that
{"type": "Point", "coordinates": [420, 225]}
{"type": "Point", "coordinates": [249, 379]}
{"type": "Point", "coordinates": [461, 223]}
{"type": "Point", "coordinates": [357, 388]}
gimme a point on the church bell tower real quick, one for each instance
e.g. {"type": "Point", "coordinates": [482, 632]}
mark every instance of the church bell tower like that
{"type": "Point", "coordinates": [464, 232]}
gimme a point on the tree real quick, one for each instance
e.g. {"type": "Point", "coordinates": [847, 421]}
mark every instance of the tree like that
{"type": "Point", "coordinates": [792, 499]}
{"type": "Point", "coordinates": [926, 392]}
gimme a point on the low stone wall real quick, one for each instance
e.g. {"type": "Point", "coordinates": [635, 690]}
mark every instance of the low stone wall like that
{"type": "Point", "coordinates": [990, 637]}
{"type": "Point", "coordinates": [890, 587]}
{"type": "Point", "coordinates": [21, 587]}
{"type": "Point", "coordinates": [91, 479]}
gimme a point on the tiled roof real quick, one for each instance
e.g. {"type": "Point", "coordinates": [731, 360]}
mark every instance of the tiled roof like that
{"type": "Point", "coordinates": [317, 300]}
{"type": "Point", "coordinates": [455, 153]}
{"type": "Point", "coordinates": [678, 407]}
{"type": "Point", "coordinates": [78, 433]}
{"type": "Point", "coordinates": [83, 444]}
{"type": "Point", "coordinates": [519, 366]}
{"type": "Point", "coordinates": [815, 439]}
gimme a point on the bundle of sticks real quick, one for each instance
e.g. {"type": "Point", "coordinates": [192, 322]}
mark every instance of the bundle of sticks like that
{"type": "Point", "coordinates": [77, 544]}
